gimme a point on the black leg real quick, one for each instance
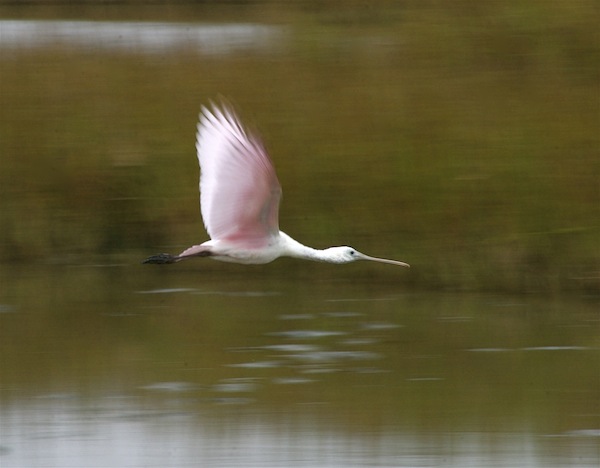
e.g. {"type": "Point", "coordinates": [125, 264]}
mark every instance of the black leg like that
{"type": "Point", "coordinates": [162, 259]}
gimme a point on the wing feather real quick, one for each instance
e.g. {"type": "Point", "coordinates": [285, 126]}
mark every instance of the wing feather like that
{"type": "Point", "coordinates": [239, 190]}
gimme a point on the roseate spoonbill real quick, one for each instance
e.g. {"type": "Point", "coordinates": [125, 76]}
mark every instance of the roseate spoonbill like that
{"type": "Point", "coordinates": [239, 200]}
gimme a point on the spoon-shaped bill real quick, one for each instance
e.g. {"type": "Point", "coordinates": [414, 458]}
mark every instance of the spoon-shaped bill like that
{"type": "Point", "coordinates": [362, 256]}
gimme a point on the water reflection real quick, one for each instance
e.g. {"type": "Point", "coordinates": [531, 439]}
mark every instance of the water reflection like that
{"type": "Point", "coordinates": [175, 387]}
{"type": "Point", "coordinates": [118, 431]}
{"type": "Point", "coordinates": [178, 378]}
{"type": "Point", "coordinates": [154, 37]}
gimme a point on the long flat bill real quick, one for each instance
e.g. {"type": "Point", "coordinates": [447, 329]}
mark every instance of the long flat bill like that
{"type": "Point", "coordinates": [384, 260]}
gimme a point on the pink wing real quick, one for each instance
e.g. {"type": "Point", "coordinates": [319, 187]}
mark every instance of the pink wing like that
{"type": "Point", "coordinates": [239, 190]}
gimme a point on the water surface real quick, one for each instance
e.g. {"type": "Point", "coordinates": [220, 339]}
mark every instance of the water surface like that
{"type": "Point", "coordinates": [138, 37]}
{"type": "Point", "coordinates": [205, 365]}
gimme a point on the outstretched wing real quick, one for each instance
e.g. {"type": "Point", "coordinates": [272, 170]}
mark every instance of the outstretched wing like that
{"type": "Point", "coordinates": [239, 190]}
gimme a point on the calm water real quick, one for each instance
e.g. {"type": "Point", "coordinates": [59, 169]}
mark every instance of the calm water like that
{"type": "Point", "coordinates": [296, 363]}
{"type": "Point", "coordinates": [223, 365]}
{"type": "Point", "coordinates": [136, 37]}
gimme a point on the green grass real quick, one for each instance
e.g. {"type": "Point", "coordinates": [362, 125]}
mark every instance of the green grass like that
{"type": "Point", "coordinates": [462, 139]}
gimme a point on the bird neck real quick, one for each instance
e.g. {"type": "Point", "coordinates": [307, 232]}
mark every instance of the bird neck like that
{"type": "Point", "coordinates": [295, 249]}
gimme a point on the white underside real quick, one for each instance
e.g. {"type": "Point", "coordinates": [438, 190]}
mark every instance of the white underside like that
{"type": "Point", "coordinates": [279, 246]}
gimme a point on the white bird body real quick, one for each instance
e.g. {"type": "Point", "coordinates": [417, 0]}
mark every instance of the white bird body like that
{"type": "Point", "coordinates": [239, 201]}
{"type": "Point", "coordinates": [280, 245]}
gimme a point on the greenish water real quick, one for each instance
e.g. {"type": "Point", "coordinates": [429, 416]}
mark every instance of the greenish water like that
{"type": "Point", "coordinates": [210, 365]}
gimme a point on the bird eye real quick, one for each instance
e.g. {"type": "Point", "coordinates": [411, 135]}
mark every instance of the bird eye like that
{"type": "Point", "coordinates": [352, 252]}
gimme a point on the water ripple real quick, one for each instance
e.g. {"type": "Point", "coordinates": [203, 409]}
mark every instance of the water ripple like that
{"type": "Point", "coordinates": [307, 333]}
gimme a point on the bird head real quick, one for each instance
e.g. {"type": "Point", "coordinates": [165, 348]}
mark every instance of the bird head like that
{"type": "Point", "coordinates": [347, 254]}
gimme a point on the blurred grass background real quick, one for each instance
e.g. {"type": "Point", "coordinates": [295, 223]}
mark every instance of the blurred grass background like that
{"type": "Point", "coordinates": [461, 137]}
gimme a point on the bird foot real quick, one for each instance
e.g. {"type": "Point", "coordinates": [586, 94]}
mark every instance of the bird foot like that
{"type": "Point", "coordinates": [161, 259]}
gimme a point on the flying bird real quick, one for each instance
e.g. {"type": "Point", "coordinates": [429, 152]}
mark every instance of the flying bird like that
{"type": "Point", "coordinates": [239, 200]}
